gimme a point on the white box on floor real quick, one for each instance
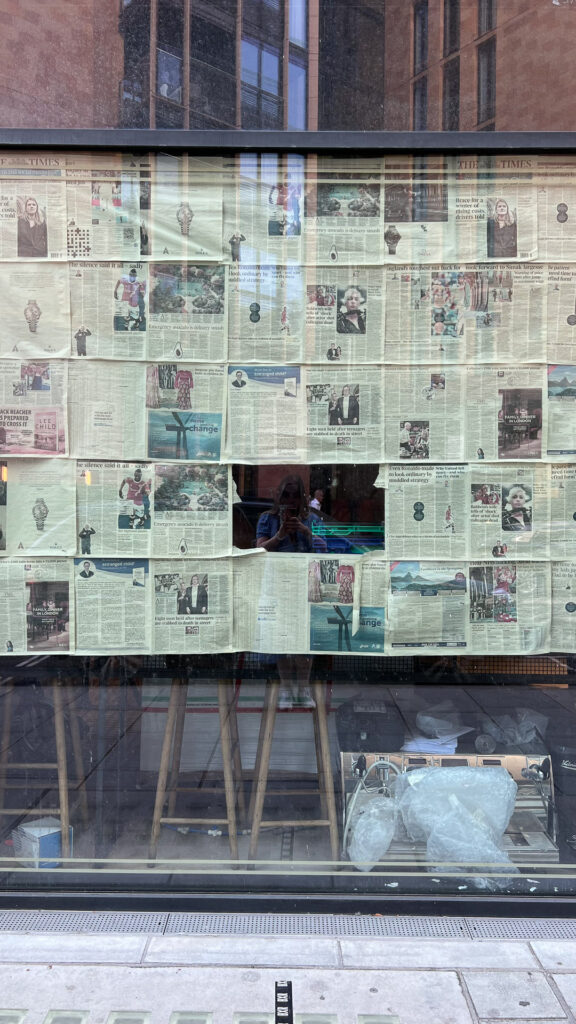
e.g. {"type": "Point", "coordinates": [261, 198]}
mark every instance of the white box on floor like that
{"type": "Point", "coordinates": [38, 844]}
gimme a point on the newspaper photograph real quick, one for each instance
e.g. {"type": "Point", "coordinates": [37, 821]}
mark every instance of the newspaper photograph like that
{"type": "Point", "coordinates": [106, 410]}
{"type": "Point", "coordinates": [192, 606]}
{"type": "Point", "coordinates": [183, 220]}
{"type": "Point", "coordinates": [563, 629]}
{"type": "Point", "coordinates": [426, 512]}
{"type": "Point", "coordinates": [185, 406]}
{"type": "Point", "coordinates": [266, 419]}
{"type": "Point", "coordinates": [505, 414]}
{"type": "Point", "coordinates": [103, 211]}
{"type": "Point", "coordinates": [337, 587]}
{"type": "Point", "coordinates": [561, 409]}
{"type": "Point", "coordinates": [427, 606]}
{"type": "Point", "coordinates": [32, 206]}
{"type": "Point", "coordinates": [344, 315]}
{"type": "Point", "coordinates": [344, 407]}
{"type": "Point", "coordinates": [112, 605]}
{"type": "Point", "coordinates": [561, 312]}
{"type": "Point", "coordinates": [35, 309]}
{"type": "Point", "coordinates": [109, 310]}
{"type": "Point", "coordinates": [37, 507]}
{"type": "Point", "coordinates": [264, 211]}
{"type": "Point", "coordinates": [509, 512]}
{"type": "Point", "coordinates": [266, 621]}
{"type": "Point", "coordinates": [343, 220]}
{"type": "Point", "coordinates": [562, 522]}
{"type": "Point", "coordinates": [33, 407]}
{"type": "Point", "coordinates": [475, 314]}
{"type": "Point", "coordinates": [266, 313]}
{"type": "Point", "coordinates": [187, 312]}
{"type": "Point", "coordinates": [417, 205]}
{"type": "Point", "coordinates": [37, 613]}
{"type": "Point", "coordinates": [510, 608]}
{"type": "Point", "coordinates": [192, 510]}
{"type": "Point", "coordinates": [114, 508]}
{"type": "Point", "coordinates": [424, 411]}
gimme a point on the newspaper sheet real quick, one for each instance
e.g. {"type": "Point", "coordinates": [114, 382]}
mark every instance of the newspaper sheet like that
{"type": "Point", "coordinates": [561, 312]}
{"type": "Point", "coordinates": [345, 407]}
{"type": "Point", "coordinates": [192, 606]}
{"type": "Point", "coordinates": [563, 630]}
{"type": "Point", "coordinates": [188, 311]}
{"type": "Point", "coordinates": [181, 215]}
{"type": "Point", "coordinates": [344, 315]}
{"type": "Point", "coordinates": [103, 207]}
{"type": "Point", "coordinates": [192, 510]}
{"type": "Point", "coordinates": [33, 407]}
{"type": "Point", "coordinates": [266, 414]}
{"type": "Point", "coordinates": [476, 314]}
{"type": "Point", "coordinates": [427, 606]}
{"type": "Point", "coordinates": [37, 613]}
{"type": "Point", "coordinates": [263, 203]}
{"type": "Point", "coordinates": [266, 314]}
{"type": "Point", "coordinates": [112, 605]}
{"type": "Point", "coordinates": [114, 513]}
{"type": "Point", "coordinates": [561, 408]}
{"type": "Point", "coordinates": [106, 410]}
{"type": "Point", "coordinates": [37, 507]}
{"type": "Point", "coordinates": [346, 604]}
{"type": "Point", "coordinates": [32, 206]}
{"type": "Point", "coordinates": [563, 513]}
{"type": "Point", "coordinates": [510, 608]}
{"type": "Point", "coordinates": [265, 619]}
{"type": "Point", "coordinates": [556, 202]}
{"type": "Point", "coordinates": [505, 413]}
{"type": "Point", "coordinates": [109, 310]}
{"type": "Point", "coordinates": [424, 411]}
{"type": "Point", "coordinates": [35, 310]}
{"type": "Point", "coordinates": [426, 512]}
{"type": "Point", "coordinates": [343, 219]}
{"type": "Point", "coordinates": [509, 512]}
{"type": "Point", "coordinates": [185, 406]}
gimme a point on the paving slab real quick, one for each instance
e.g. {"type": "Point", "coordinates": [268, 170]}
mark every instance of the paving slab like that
{"type": "Point", "coordinates": [567, 985]}
{"type": "Point", "coordinates": [556, 953]}
{"type": "Point", "coordinates": [252, 951]}
{"type": "Point", "coordinates": [512, 995]}
{"type": "Point", "coordinates": [441, 953]}
{"type": "Point", "coordinates": [28, 947]}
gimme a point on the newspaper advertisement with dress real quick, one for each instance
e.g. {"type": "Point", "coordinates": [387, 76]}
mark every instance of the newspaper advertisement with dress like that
{"type": "Point", "coordinates": [35, 306]}
{"type": "Point", "coordinates": [37, 614]}
{"type": "Point", "coordinates": [423, 414]}
{"type": "Point", "coordinates": [509, 608]}
{"type": "Point", "coordinates": [112, 605]}
{"type": "Point", "coordinates": [344, 315]}
{"type": "Point", "coordinates": [505, 416]}
{"type": "Point", "coordinates": [107, 410]}
{"type": "Point", "coordinates": [33, 407]}
{"type": "Point", "coordinates": [426, 512]}
{"type": "Point", "coordinates": [181, 213]}
{"type": "Point", "coordinates": [561, 410]}
{"type": "Point", "coordinates": [344, 414]}
{"type": "Point", "coordinates": [32, 206]}
{"type": "Point", "coordinates": [347, 603]}
{"type": "Point", "coordinates": [266, 314]}
{"type": "Point", "coordinates": [562, 512]}
{"type": "Point", "coordinates": [102, 207]}
{"type": "Point", "coordinates": [114, 508]}
{"type": "Point", "coordinates": [266, 414]}
{"type": "Point", "coordinates": [188, 312]}
{"type": "Point", "coordinates": [109, 310]}
{"type": "Point", "coordinates": [563, 629]}
{"type": "Point", "coordinates": [36, 507]}
{"type": "Point", "coordinates": [192, 606]}
{"type": "Point", "coordinates": [185, 410]}
{"type": "Point", "coordinates": [343, 219]}
{"type": "Point", "coordinates": [477, 314]}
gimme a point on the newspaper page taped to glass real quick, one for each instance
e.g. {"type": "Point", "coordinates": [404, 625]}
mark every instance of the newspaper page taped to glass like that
{"type": "Point", "coordinates": [563, 512]}
{"type": "Point", "coordinates": [187, 312]}
{"type": "Point", "coordinates": [112, 605]}
{"type": "Point", "coordinates": [505, 413]}
{"type": "Point", "coordinates": [344, 315]}
{"type": "Point", "coordinates": [33, 407]}
{"type": "Point", "coordinates": [192, 606]}
{"type": "Point", "coordinates": [476, 314]}
{"type": "Point", "coordinates": [556, 203]}
{"type": "Point", "coordinates": [426, 512]}
{"type": "Point", "coordinates": [266, 314]}
{"type": "Point", "coordinates": [109, 310]}
{"type": "Point", "coordinates": [36, 507]}
{"type": "Point", "coordinates": [344, 406]}
{"type": "Point", "coordinates": [510, 608]}
{"type": "Point", "coordinates": [103, 208]}
{"type": "Point", "coordinates": [427, 606]}
{"type": "Point", "coordinates": [263, 203]}
{"type": "Point", "coordinates": [185, 407]}
{"type": "Point", "coordinates": [266, 418]}
{"type": "Point", "coordinates": [184, 218]}
{"type": "Point", "coordinates": [563, 631]}
{"type": "Point", "coordinates": [424, 411]}
{"type": "Point", "coordinates": [106, 410]}
{"type": "Point", "coordinates": [35, 302]}
{"type": "Point", "coordinates": [32, 206]}
{"type": "Point", "coordinates": [337, 588]}
{"type": "Point", "coordinates": [509, 512]}
{"type": "Point", "coordinates": [342, 219]}
{"type": "Point", "coordinates": [561, 409]}
{"type": "Point", "coordinates": [417, 203]}
{"type": "Point", "coordinates": [114, 514]}
{"type": "Point", "coordinates": [192, 510]}
{"type": "Point", "coordinates": [37, 615]}
{"type": "Point", "coordinates": [270, 603]}
{"type": "Point", "coordinates": [561, 313]}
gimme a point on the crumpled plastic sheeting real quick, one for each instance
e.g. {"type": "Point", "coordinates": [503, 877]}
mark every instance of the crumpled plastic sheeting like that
{"type": "Point", "coordinates": [371, 832]}
{"type": "Point", "coordinates": [517, 730]}
{"type": "Point", "coordinates": [461, 813]}
{"type": "Point", "coordinates": [441, 720]}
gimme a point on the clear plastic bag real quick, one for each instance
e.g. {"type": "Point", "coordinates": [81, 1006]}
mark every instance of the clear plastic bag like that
{"type": "Point", "coordinates": [371, 832]}
{"type": "Point", "coordinates": [516, 730]}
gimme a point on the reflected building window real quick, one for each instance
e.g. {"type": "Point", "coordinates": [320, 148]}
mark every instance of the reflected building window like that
{"type": "Point", "coordinates": [261, 103]}
{"type": "Point", "coordinates": [420, 36]}
{"type": "Point", "coordinates": [451, 26]}
{"type": "Point", "coordinates": [297, 96]}
{"type": "Point", "coordinates": [487, 80]}
{"type": "Point", "coordinates": [451, 96]}
{"type": "Point", "coordinates": [169, 76]}
{"type": "Point", "coordinates": [297, 22]}
{"type": "Point", "coordinates": [486, 16]}
{"type": "Point", "coordinates": [420, 105]}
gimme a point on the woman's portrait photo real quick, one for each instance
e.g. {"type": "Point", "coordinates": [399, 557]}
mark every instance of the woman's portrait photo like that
{"type": "Point", "coordinates": [351, 316]}
{"type": "Point", "coordinates": [32, 230]}
{"type": "Point", "coordinates": [501, 233]}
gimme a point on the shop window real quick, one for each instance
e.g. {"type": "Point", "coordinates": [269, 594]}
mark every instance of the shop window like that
{"type": "Point", "coordinates": [487, 80]}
